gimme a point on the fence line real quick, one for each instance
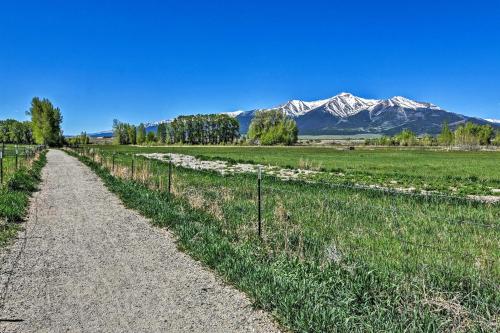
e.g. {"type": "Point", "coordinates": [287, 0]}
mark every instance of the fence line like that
{"type": "Point", "coordinates": [18, 158]}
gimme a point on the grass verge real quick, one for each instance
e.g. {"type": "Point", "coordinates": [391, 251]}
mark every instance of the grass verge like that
{"type": "Point", "coordinates": [14, 197]}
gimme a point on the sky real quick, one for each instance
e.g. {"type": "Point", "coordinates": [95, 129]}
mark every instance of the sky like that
{"type": "Point", "coordinates": [142, 61]}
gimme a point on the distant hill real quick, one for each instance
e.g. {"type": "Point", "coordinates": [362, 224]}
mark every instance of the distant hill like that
{"type": "Point", "coordinates": [102, 134]}
{"type": "Point", "coordinates": [346, 114]}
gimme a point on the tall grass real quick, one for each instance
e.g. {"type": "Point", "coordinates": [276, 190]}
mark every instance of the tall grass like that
{"type": "Point", "coordinates": [331, 258]}
{"type": "Point", "coordinates": [15, 192]}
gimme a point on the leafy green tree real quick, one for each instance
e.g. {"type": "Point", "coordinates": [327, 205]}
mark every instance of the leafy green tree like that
{"type": "Point", "coordinates": [120, 136]}
{"type": "Point", "coordinates": [4, 131]}
{"type": "Point", "coordinates": [496, 140]}
{"type": "Point", "coordinates": [485, 134]}
{"type": "Point", "coordinates": [406, 138]}
{"type": "Point", "coordinates": [46, 122]}
{"type": "Point", "coordinates": [428, 140]}
{"type": "Point", "coordinates": [123, 133]}
{"type": "Point", "coordinates": [82, 139]}
{"type": "Point", "coordinates": [445, 138]}
{"type": "Point", "coordinates": [467, 135]}
{"type": "Point", "coordinates": [132, 134]}
{"type": "Point", "coordinates": [203, 129]}
{"type": "Point", "coordinates": [471, 134]}
{"type": "Point", "coordinates": [150, 137]}
{"type": "Point", "coordinates": [13, 131]}
{"type": "Point", "coordinates": [141, 134]}
{"type": "Point", "coordinates": [273, 127]}
{"type": "Point", "coordinates": [161, 133]}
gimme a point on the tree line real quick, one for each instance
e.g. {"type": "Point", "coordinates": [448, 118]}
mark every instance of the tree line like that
{"type": "Point", "coordinates": [44, 127]}
{"type": "Point", "coordinates": [203, 129]}
{"type": "Point", "coordinates": [197, 129]}
{"type": "Point", "coordinates": [13, 131]}
{"type": "Point", "coordinates": [464, 135]}
{"type": "Point", "coordinates": [82, 139]}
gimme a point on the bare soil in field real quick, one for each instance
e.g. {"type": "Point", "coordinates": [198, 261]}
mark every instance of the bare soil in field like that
{"type": "Point", "coordinates": [85, 263]}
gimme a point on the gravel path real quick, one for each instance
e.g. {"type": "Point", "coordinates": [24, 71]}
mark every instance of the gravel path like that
{"type": "Point", "coordinates": [85, 263]}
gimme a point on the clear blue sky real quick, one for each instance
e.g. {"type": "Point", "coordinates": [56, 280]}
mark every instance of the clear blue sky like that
{"type": "Point", "coordinates": [150, 60]}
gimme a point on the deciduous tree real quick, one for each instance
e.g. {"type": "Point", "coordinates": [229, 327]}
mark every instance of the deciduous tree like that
{"type": "Point", "coordinates": [46, 122]}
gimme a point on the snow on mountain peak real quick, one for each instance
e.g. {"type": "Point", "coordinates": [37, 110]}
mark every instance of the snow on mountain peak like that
{"type": "Point", "coordinates": [495, 121]}
{"type": "Point", "coordinates": [409, 104]}
{"type": "Point", "coordinates": [345, 104]}
{"type": "Point", "coordinates": [234, 113]}
{"type": "Point", "coordinates": [296, 107]}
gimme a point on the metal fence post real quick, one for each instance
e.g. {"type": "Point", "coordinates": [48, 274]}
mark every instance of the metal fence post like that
{"type": "Point", "coordinates": [17, 153]}
{"type": "Point", "coordinates": [1, 167]}
{"type": "Point", "coordinates": [170, 175]}
{"type": "Point", "coordinates": [113, 163]}
{"type": "Point", "coordinates": [132, 176]}
{"type": "Point", "coordinates": [259, 204]}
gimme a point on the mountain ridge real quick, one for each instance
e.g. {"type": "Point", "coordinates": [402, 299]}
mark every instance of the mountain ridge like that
{"type": "Point", "coordinates": [347, 114]}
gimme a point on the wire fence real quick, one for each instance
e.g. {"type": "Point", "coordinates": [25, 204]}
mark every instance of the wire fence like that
{"type": "Point", "coordinates": [16, 157]}
{"type": "Point", "coordinates": [329, 222]}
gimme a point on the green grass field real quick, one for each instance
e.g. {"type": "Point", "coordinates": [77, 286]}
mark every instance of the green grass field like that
{"type": "Point", "coordinates": [450, 172]}
{"type": "Point", "coordinates": [332, 258]}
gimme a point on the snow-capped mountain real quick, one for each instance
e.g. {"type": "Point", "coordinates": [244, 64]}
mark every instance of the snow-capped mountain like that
{"type": "Point", "coordinates": [349, 114]}
{"type": "Point", "coordinates": [345, 105]}
{"type": "Point", "coordinates": [297, 108]}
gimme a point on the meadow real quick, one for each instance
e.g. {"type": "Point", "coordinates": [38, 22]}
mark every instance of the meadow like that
{"type": "Point", "coordinates": [450, 172]}
{"type": "Point", "coordinates": [330, 258]}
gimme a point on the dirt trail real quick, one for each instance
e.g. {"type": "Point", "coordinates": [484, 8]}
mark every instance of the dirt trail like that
{"type": "Point", "coordinates": [85, 263]}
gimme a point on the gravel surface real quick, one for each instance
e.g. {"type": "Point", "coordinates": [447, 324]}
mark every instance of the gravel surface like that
{"type": "Point", "coordinates": [85, 263]}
